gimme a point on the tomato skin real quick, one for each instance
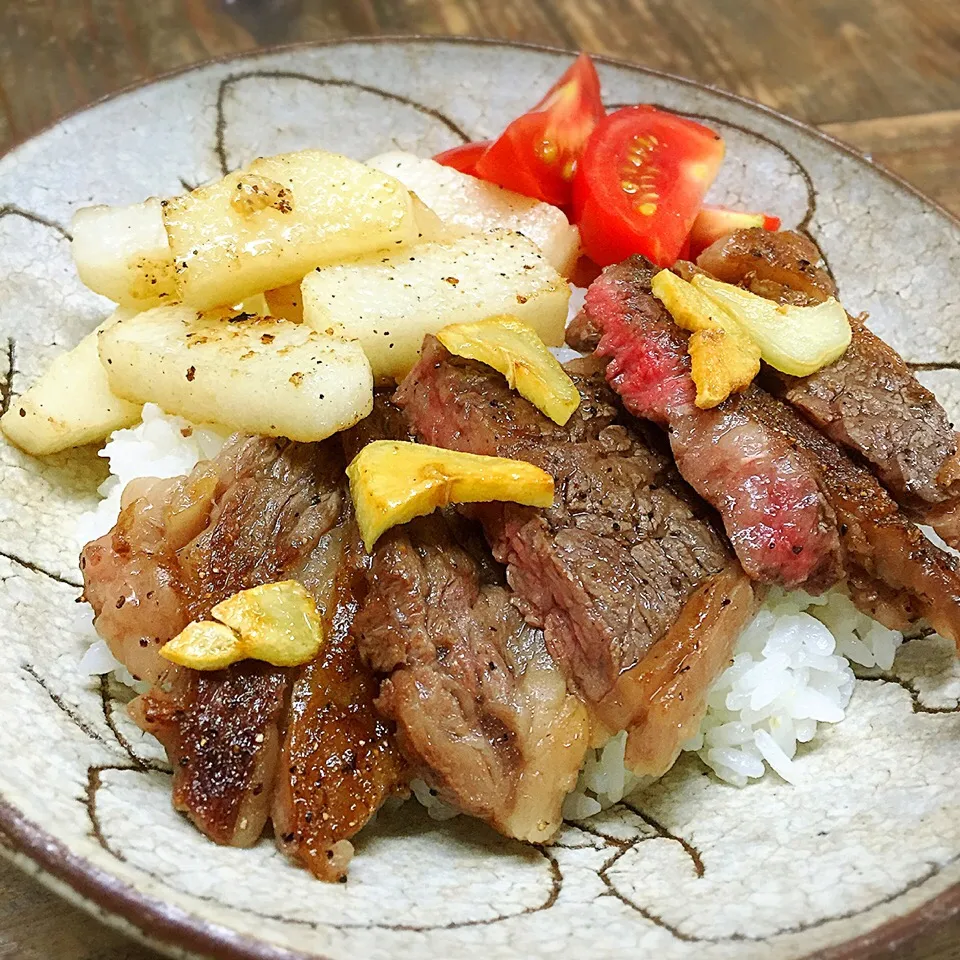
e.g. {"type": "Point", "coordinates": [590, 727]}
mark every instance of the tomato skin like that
{"type": "Point", "coordinates": [464, 158]}
{"type": "Point", "coordinates": [537, 154]}
{"type": "Point", "coordinates": [712, 223]}
{"type": "Point", "coordinates": [640, 183]}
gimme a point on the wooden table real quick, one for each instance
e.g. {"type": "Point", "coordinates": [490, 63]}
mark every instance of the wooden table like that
{"type": "Point", "coordinates": [882, 74]}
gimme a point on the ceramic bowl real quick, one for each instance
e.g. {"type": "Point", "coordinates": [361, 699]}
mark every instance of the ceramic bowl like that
{"type": "Point", "coordinates": [861, 853]}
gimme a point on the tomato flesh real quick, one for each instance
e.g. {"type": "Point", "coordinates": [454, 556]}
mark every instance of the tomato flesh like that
{"type": "Point", "coordinates": [463, 158]}
{"type": "Point", "coordinates": [640, 183]}
{"type": "Point", "coordinates": [537, 154]}
{"type": "Point", "coordinates": [712, 223]}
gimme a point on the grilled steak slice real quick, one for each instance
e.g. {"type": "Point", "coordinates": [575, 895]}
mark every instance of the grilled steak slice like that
{"type": "Point", "coordinates": [221, 734]}
{"type": "Point", "coordinates": [339, 760]}
{"type": "Point", "coordinates": [774, 513]}
{"type": "Point", "coordinates": [784, 266]}
{"type": "Point", "coordinates": [867, 401]}
{"type": "Point", "coordinates": [661, 701]}
{"type": "Point", "coordinates": [482, 712]}
{"type": "Point", "coordinates": [896, 573]}
{"type": "Point", "coordinates": [870, 402]}
{"type": "Point", "coordinates": [607, 569]}
{"type": "Point", "coordinates": [180, 546]}
{"type": "Point", "coordinates": [259, 512]}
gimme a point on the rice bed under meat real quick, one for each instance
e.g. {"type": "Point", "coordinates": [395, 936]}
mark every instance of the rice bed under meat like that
{"type": "Point", "coordinates": [790, 671]}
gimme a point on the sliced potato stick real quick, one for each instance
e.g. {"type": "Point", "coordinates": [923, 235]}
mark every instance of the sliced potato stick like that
{"type": "Point", "coordinates": [460, 200]}
{"type": "Point", "coordinates": [254, 374]}
{"type": "Point", "coordinates": [123, 253]}
{"type": "Point", "coordinates": [264, 227]}
{"type": "Point", "coordinates": [389, 303]}
{"type": "Point", "coordinates": [71, 404]}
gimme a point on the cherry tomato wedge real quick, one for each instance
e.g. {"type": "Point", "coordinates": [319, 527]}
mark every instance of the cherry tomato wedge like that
{"type": "Point", "coordinates": [537, 154]}
{"type": "Point", "coordinates": [463, 158]}
{"type": "Point", "coordinates": [640, 183]}
{"type": "Point", "coordinates": [712, 223]}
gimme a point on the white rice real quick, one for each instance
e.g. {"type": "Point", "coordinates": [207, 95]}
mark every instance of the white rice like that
{"type": "Point", "coordinates": [161, 446]}
{"type": "Point", "coordinates": [789, 674]}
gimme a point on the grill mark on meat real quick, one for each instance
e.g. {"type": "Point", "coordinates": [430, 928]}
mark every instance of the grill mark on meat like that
{"type": "Point", "coordinates": [606, 570]}
{"type": "Point", "coordinates": [339, 760]}
{"type": "Point", "coordinates": [869, 400]}
{"type": "Point", "coordinates": [220, 731]}
{"type": "Point", "coordinates": [774, 513]}
{"type": "Point", "coordinates": [879, 543]}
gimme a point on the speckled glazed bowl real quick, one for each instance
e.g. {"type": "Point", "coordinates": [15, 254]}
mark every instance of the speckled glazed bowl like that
{"type": "Point", "coordinates": [858, 856]}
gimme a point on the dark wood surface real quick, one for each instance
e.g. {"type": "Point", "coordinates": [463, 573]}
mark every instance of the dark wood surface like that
{"type": "Point", "coordinates": [881, 74]}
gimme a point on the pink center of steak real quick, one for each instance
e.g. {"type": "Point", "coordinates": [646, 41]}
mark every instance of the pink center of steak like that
{"type": "Point", "coordinates": [774, 513]}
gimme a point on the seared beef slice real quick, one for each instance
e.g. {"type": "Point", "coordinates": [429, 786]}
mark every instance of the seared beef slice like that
{"type": "Point", "coordinates": [868, 401]}
{"type": "Point", "coordinates": [339, 760]}
{"type": "Point", "coordinates": [776, 517]}
{"type": "Point", "coordinates": [608, 568]}
{"type": "Point", "coordinates": [482, 712]}
{"type": "Point", "coordinates": [264, 510]}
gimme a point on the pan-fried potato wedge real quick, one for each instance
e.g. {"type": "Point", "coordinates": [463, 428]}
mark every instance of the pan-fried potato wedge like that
{"type": "Point", "coordinates": [255, 374]}
{"type": "Point", "coordinates": [723, 357]}
{"type": "Point", "coordinates": [389, 303]}
{"type": "Point", "coordinates": [71, 404]}
{"type": "Point", "coordinates": [514, 349]}
{"type": "Point", "coordinates": [393, 481]}
{"type": "Point", "coordinates": [460, 200]}
{"type": "Point", "coordinates": [264, 227]}
{"type": "Point", "coordinates": [123, 253]}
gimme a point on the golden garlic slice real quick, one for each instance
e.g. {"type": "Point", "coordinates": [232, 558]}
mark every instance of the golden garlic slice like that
{"type": "Point", "coordinates": [515, 349]}
{"type": "Point", "coordinates": [393, 481]}
{"type": "Point", "coordinates": [724, 359]}
{"type": "Point", "coordinates": [275, 622]}
{"type": "Point", "coordinates": [795, 340]}
{"type": "Point", "coordinates": [204, 646]}
{"type": "Point", "coordinates": [278, 622]}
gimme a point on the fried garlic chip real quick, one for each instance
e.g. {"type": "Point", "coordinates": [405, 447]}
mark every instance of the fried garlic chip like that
{"type": "Point", "coordinates": [724, 359]}
{"type": "Point", "coordinates": [795, 340]}
{"type": "Point", "coordinates": [515, 349]}
{"type": "Point", "coordinates": [393, 481]}
{"type": "Point", "coordinates": [204, 645]}
{"type": "Point", "coordinates": [275, 622]}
